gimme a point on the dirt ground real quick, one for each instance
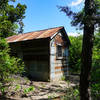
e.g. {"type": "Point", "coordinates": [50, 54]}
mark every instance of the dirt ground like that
{"type": "Point", "coordinates": [19, 89]}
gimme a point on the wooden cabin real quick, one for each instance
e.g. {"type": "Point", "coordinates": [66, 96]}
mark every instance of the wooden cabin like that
{"type": "Point", "coordinates": [44, 52]}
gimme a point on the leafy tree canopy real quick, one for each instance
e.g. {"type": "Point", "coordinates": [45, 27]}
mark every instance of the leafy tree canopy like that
{"type": "Point", "coordinates": [78, 19]}
{"type": "Point", "coordinates": [75, 53]}
{"type": "Point", "coordinates": [11, 18]}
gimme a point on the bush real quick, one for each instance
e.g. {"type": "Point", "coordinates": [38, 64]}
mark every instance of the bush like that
{"type": "Point", "coordinates": [95, 91]}
{"type": "Point", "coordinates": [72, 93]}
{"type": "Point", "coordinates": [75, 53]}
{"type": "Point", "coordinates": [8, 65]}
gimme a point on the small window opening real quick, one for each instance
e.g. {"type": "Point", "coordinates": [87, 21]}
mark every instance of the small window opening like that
{"type": "Point", "coordinates": [59, 51]}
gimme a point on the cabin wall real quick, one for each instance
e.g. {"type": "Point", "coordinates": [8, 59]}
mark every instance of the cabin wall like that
{"type": "Point", "coordinates": [58, 66]}
{"type": "Point", "coordinates": [40, 57]}
{"type": "Point", "coordinates": [35, 55]}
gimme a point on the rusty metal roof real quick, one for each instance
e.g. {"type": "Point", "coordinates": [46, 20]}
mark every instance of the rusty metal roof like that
{"type": "Point", "coordinates": [33, 35]}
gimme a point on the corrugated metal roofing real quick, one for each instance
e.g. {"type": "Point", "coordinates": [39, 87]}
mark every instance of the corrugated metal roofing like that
{"type": "Point", "coordinates": [33, 35]}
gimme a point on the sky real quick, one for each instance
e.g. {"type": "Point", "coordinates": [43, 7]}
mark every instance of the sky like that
{"type": "Point", "coordinates": [43, 14]}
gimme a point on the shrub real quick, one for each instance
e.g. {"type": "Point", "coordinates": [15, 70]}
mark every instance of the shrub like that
{"type": "Point", "coordinates": [27, 90]}
{"type": "Point", "coordinates": [8, 65]}
{"type": "Point", "coordinates": [95, 91]}
{"type": "Point", "coordinates": [72, 93]}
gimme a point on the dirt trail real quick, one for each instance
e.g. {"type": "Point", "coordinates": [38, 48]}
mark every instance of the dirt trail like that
{"type": "Point", "coordinates": [42, 90]}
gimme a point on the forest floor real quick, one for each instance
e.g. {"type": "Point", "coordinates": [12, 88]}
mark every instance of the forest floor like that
{"type": "Point", "coordinates": [24, 89]}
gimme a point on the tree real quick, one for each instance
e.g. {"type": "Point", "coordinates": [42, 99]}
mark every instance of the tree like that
{"type": "Point", "coordinates": [86, 19]}
{"type": "Point", "coordinates": [87, 47]}
{"type": "Point", "coordinates": [75, 53]}
{"type": "Point", "coordinates": [11, 18]}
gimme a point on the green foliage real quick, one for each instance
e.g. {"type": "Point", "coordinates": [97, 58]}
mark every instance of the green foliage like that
{"type": "Point", "coordinates": [72, 93]}
{"type": "Point", "coordinates": [75, 56]}
{"type": "Point", "coordinates": [17, 87]}
{"type": "Point", "coordinates": [95, 91]}
{"type": "Point", "coordinates": [74, 59]}
{"type": "Point", "coordinates": [8, 65]}
{"type": "Point", "coordinates": [96, 50]}
{"type": "Point", "coordinates": [11, 18]}
{"type": "Point", "coordinates": [79, 18]}
{"type": "Point", "coordinates": [88, 18]}
{"type": "Point", "coordinates": [75, 53]}
{"type": "Point", "coordinates": [50, 97]}
{"type": "Point", "coordinates": [95, 75]}
{"type": "Point", "coordinates": [27, 90]}
{"type": "Point", "coordinates": [63, 78]}
{"type": "Point", "coordinates": [3, 90]}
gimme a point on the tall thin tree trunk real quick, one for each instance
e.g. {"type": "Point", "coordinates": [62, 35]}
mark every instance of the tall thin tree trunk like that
{"type": "Point", "coordinates": [86, 61]}
{"type": "Point", "coordinates": [87, 47]}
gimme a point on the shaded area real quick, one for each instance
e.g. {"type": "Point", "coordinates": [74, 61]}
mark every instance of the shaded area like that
{"type": "Point", "coordinates": [5, 98]}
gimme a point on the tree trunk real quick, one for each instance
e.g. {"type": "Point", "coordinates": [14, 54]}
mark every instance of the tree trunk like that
{"type": "Point", "coordinates": [87, 47]}
{"type": "Point", "coordinates": [86, 61]}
